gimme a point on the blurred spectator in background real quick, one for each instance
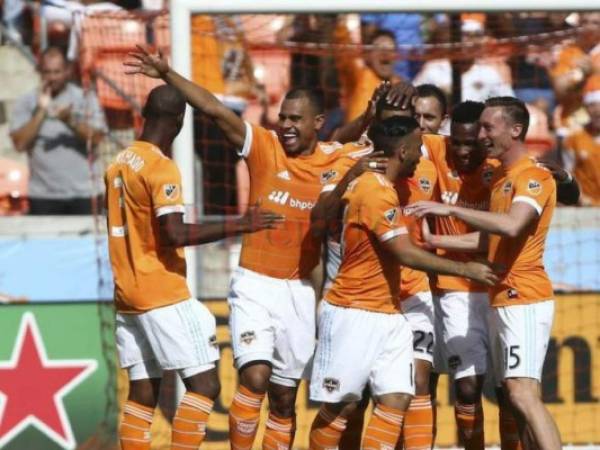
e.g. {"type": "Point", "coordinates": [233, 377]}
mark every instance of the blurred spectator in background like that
{"type": "Point", "coordinates": [582, 155]}
{"type": "Point", "coordinates": [360, 77]}
{"type": "Point", "coordinates": [16, 19]}
{"type": "Point", "coordinates": [56, 126]}
{"type": "Point", "coordinates": [481, 78]}
{"type": "Point", "coordinates": [573, 63]}
{"type": "Point", "coordinates": [406, 28]}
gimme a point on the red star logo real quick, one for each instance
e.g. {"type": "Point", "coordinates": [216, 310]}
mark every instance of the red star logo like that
{"type": "Point", "coordinates": [32, 388]}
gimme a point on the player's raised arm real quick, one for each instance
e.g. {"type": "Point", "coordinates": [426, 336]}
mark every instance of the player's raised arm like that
{"type": "Point", "coordinates": [174, 232]}
{"type": "Point", "coordinates": [408, 254]}
{"type": "Point", "coordinates": [156, 66]}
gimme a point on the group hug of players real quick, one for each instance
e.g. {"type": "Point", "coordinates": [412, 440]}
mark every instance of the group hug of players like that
{"type": "Point", "coordinates": [399, 213]}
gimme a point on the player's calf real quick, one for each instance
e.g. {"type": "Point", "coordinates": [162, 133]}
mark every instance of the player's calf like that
{"type": "Point", "coordinates": [281, 424]}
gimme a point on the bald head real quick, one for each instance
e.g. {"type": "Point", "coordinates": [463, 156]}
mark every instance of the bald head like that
{"type": "Point", "coordinates": [164, 102]}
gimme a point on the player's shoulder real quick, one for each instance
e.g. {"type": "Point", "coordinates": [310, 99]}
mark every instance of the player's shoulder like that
{"type": "Point", "coordinates": [372, 185]}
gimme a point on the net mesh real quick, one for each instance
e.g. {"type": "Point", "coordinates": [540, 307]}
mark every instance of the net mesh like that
{"type": "Point", "coordinates": [250, 61]}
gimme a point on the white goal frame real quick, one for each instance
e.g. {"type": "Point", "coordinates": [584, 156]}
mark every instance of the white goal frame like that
{"type": "Point", "coordinates": [181, 57]}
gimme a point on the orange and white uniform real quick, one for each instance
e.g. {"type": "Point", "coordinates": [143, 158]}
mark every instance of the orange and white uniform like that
{"type": "Point", "coordinates": [583, 153]}
{"type": "Point", "coordinates": [151, 292]}
{"type": "Point", "coordinates": [523, 305]}
{"type": "Point", "coordinates": [363, 337]}
{"type": "Point", "coordinates": [461, 305]}
{"type": "Point", "coordinates": [272, 302]}
{"type": "Point", "coordinates": [415, 294]}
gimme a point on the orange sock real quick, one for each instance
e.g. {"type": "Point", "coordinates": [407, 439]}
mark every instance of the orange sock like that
{"type": "Point", "coordinates": [244, 415]}
{"type": "Point", "coordinates": [469, 420]}
{"type": "Point", "coordinates": [326, 430]}
{"type": "Point", "coordinates": [509, 431]}
{"type": "Point", "coordinates": [189, 424]}
{"type": "Point", "coordinates": [134, 433]}
{"type": "Point", "coordinates": [384, 428]}
{"type": "Point", "coordinates": [418, 424]}
{"type": "Point", "coordinates": [279, 433]}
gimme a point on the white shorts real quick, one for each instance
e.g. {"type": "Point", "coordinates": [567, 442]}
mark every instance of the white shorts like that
{"type": "Point", "coordinates": [357, 347]}
{"type": "Point", "coordinates": [175, 337]}
{"type": "Point", "coordinates": [463, 333]}
{"type": "Point", "coordinates": [519, 337]}
{"type": "Point", "coordinates": [272, 320]}
{"type": "Point", "coordinates": [418, 310]}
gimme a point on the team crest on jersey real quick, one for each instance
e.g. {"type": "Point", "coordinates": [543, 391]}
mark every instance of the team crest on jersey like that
{"type": "Point", "coordinates": [507, 188]}
{"type": "Point", "coordinates": [327, 176]}
{"type": "Point", "coordinates": [171, 191]}
{"type": "Point", "coordinates": [487, 175]}
{"type": "Point", "coordinates": [391, 215]}
{"type": "Point", "coordinates": [247, 337]}
{"type": "Point", "coordinates": [212, 341]}
{"type": "Point", "coordinates": [331, 384]}
{"type": "Point", "coordinates": [512, 293]}
{"type": "Point", "coordinates": [534, 187]}
{"type": "Point", "coordinates": [425, 184]}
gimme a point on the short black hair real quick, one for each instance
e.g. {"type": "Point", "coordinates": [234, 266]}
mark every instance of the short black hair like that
{"type": "Point", "coordinates": [386, 133]}
{"type": "Point", "coordinates": [513, 109]}
{"type": "Point", "coordinates": [315, 97]}
{"type": "Point", "coordinates": [467, 112]}
{"type": "Point", "coordinates": [379, 32]}
{"type": "Point", "coordinates": [431, 90]}
{"type": "Point", "coordinates": [164, 101]}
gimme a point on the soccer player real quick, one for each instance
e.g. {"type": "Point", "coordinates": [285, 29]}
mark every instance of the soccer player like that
{"type": "Point", "coordinates": [418, 306]}
{"type": "Point", "coordinates": [513, 231]}
{"type": "Point", "coordinates": [158, 325]}
{"type": "Point", "coordinates": [271, 300]}
{"type": "Point", "coordinates": [430, 108]}
{"type": "Point", "coordinates": [363, 337]}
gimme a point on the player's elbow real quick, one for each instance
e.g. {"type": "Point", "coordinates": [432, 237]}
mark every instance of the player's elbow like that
{"type": "Point", "coordinates": [170, 237]}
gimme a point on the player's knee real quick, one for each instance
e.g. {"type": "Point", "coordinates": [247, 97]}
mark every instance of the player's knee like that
{"type": "Point", "coordinates": [521, 395]}
{"type": "Point", "coordinates": [144, 392]}
{"type": "Point", "coordinates": [282, 403]}
{"type": "Point", "coordinates": [422, 386]}
{"type": "Point", "coordinates": [399, 401]}
{"type": "Point", "coordinates": [468, 390]}
{"type": "Point", "coordinates": [205, 383]}
{"type": "Point", "coordinates": [255, 377]}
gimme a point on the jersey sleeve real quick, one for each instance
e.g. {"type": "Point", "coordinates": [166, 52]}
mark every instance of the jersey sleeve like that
{"type": "Point", "coordinates": [256, 147]}
{"type": "Point", "coordinates": [381, 214]}
{"type": "Point", "coordinates": [165, 187]}
{"type": "Point", "coordinates": [534, 186]}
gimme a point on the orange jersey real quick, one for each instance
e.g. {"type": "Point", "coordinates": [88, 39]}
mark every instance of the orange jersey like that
{"type": "Point", "coordinates": [584, 150]}
{"type": "Point", "coordinates": [289, 186]}
{"type": "Point", "coordinates": [526, 280]}
{"type": "Point", "coordinates": [421, 186]}
{"type": "Point", "coordinates": [141, 185]}
{"type": "Point", "coordinates": [467, 190]}
{"type": "Point", "coordinates": [369, 277]}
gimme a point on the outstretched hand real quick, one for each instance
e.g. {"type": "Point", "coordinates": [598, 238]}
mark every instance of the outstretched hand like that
{"type": "Point", "coordinates": [481, 272]}
{"type": "Point", "coordinates": [374, 162]}
{"type": "Point", "coordinates": [256, 219]}
{"type": "Point", "coordinates": [145, 63]}
{"type": "Point", "coordinates": [424, 208]}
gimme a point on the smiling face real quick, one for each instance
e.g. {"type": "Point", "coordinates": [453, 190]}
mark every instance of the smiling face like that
{"type": "Point", "coordinates": [298, 125]}
{"type": "Point", "coordinates": [495, 134]}
{"type": "Point", "coordinates": [429, 114]}
{"type": "Point", "coordinates": [466, 152]}
{"type": "Point", "coordinates": [382, 57]}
